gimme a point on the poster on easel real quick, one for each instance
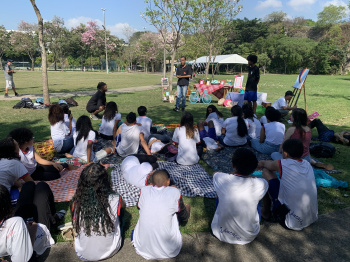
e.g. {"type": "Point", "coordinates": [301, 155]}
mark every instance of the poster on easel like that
{"type": "Point", "coordinates": [238, 82]}
{"type": "Point", "coordinates": [165, 82]}
{"type": "Point", "coordinates": [301, 78]}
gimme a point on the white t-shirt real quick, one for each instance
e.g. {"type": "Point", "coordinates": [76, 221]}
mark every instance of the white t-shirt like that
{"type": "Point", "coordinates": [99, 247]}
{"type": "Point", "coordinates": [74, 123]}
{"type": "Point", "coordinates": [10, 171]}
{"type": "Point", "coordinates": [187, 150]}
{"type": "Point", "coordinates": [232, 138]}
{"type": "Point", "coordinates": [135, 173]}
{"type": "Point", "coordinates": [236, 219]}
{"type": "Point", "coordinates": [130, 140]}
{"type": "Point", "coordinates": [146, 124]}
{"type": "Point", "coordinates": [263, 120]}
{"type": "Point", "coordinates": [254, 128]}
{"type": "Point", "coordinates": [28, 160]}
{"type": "Point", "coordinates": [157, 233]}
{"type": "Point", "coordinates": [156, 146]}
{"type": "Point", "coordinates": [59, 132]}
{"type": "Point", "coordinates": [299, 193]}
{"type": "Point", "coordinates": [210, 143]}
{"type": "Point", "coordinates": [274, 132]}
{"type": "Point", "coordinates": [218, 122]}
{"type": "Point", "coordinates": [43, 239]}
{"type": "Point", "coordinates": [106, 127]}
{"type": "Point", "coordinates": [80, 149]}
{"type": "Point", "coordinates": [280, 103]}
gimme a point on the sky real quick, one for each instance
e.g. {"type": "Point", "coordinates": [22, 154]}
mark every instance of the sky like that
{"type": "Point", "coordinates": [128, 13]}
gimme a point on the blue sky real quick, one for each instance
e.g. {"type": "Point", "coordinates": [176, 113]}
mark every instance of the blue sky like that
{"type": "Point", "coordinates": [121, 13]}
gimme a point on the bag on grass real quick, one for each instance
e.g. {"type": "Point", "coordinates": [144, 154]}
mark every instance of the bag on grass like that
{"type": "Point", "coordinates": [322, 150]}
{"type": "Point", "coordinates": [221, 102]}
{"type": "Point", "coordinates": [71, 102]}
{"type": "Point", "coordinates": [28, 102]}
{"type": "Point", "coordinates": [19, 105]}
{"type": "Point", "coordinates": [39, 100]}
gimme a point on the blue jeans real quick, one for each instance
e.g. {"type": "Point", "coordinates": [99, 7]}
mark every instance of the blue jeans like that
{"type": "Point", "coordinates": [264, 148]}
{"type": "Point", "coordinates": [68, 144]}
{"type": "Point", "coordinates": [181, 93]}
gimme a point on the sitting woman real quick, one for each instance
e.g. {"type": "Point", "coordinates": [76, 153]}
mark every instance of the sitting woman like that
{"type": "Point", "coordinates": [271, 135]}
{"type": "Point", "coordinates": [254, 125]}
{"type": "Point", "coordinates": [84, 138]}
{"type": "Point", "coordinates": [186, 137]}
{"type": "Point", "coordinates": [110, 121]}
{"type": "Point", "coordinates": [129, 137]}
{"type": "Point", "coordinates": [60, 133]}
{"type": "Point", "coordinates": [96, 215]}
{"type": "Point", "coordinates": [214, 115]}
{"type": "Point", "coordinates": [235, 129]}
{"type": "Point", "coordinates": [38, 168]}
{"type": "Point", "coordinates": [300, 131]}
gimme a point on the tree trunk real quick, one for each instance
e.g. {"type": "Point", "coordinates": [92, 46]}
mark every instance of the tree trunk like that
{"type": "Point", "coordinates": [264, 69]}
{"type": "Point", "coordinates": [55, 63]}
{"type": "Point", "coordinates": [46, 94]}
{"type": "Point", "coordinates": [172, 62]}
{"type": "Point", "coordinates": [32, 60]}
{"type": "Point", "coordinates": [209, 60]}
{"type": "Point", "coordinates": [62, 64]}
{"type": "Point", "coordinates": [101, 64]}
{"type": "Point", "coordinates": [91, 62]}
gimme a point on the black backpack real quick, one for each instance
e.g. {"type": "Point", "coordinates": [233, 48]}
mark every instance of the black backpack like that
{"type": "Point", "coordinates": [24, 103]}
{"type": "Point", "coordinates": [322, 150]}
{"type": "Point", "coordinates": [19, 105]}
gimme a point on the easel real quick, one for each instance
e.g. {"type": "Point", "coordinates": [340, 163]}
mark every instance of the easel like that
{"type": "Point", "coordinates": [299, 89]}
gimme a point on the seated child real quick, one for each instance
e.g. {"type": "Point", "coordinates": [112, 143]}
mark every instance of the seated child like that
{"type": "Point", "coordinates": [157, 233]}
{"type": "Point", "coordinates": [37, 167]}
{"type": "Point", "coordinates": [130, 136]}
{"type": "Point", "coordinates": [210, 139]}
{"type": "Point", "coordinates": [186, 137]}
{"type": "Point", "coordinates": [144, 121]}
{"type": "Point", "coordinates": [96, 212]}
{"type": "Point", "coordinates": [235, 129]}
{"type": "Point", "coordinates": [271, 135]}
{"type": "Point", "coordinates": [214, 115]}
{"type": "Point", "coordinates": [294, 196]}
{"type": "Point", "coordinates": [110, 121]}
{"type": "Point", "coordinates": [84, 138]}
{"type": "Point", "coordinates": [67, 113]}
{"type": "Point", "coordinates": [254, 125]}
{"type": "Point", "coordinates": [232, 223]}
{"type": "Point", "coordinates": [137, 168]}
{"type": "Point", "coordinates": [263, 119]}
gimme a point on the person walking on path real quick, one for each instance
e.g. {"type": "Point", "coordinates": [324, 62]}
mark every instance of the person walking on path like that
{"type": "Point", "coordinates": [9, 78]}
{"type": "Point", "coordinates": [183, 73]}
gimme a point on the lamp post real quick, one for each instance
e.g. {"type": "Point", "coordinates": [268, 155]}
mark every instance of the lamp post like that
{"type": "Point", "coordinates": [104, 26]}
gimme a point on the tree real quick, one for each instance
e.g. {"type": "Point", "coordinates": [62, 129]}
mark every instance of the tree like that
{"type": "Point", "coordinates": [79, 49]}
{"type": "Point", "coordinates": [276, 17]}
{"type": "Point", "coordinates": [25, 40]}
{"type": "Point", "coordinates": [171, 18]}
{"type": "Point", "coordinates": [331, 14]}
{"type": "Point", "coordinates": [264, 61]}
{"type": "Point", "coordinates": [46, 94]}
{"type": "Point", "coordinates": [149, 48]}
{"type": "Point", "coordinates": [130, 37]}
{"type": "Point", "coordinates": [4, 42]}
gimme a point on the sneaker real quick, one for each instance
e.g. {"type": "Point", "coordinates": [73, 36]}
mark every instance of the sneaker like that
{"type": "Point", "coordinates": [93, 117]}
{"type": "Point", "coordinates": [16, 94]}
{"type": "Point", "coordinates": [176, 109]}
{"type": "Point", "coordinates": [6, 95]}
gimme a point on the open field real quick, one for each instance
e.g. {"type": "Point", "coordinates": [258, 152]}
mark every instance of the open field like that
{"type": "Point", "coordinates": [328, 95]}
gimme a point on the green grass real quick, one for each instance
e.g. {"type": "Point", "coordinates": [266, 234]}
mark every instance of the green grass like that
{"type": "Point", "coordinates": [328, 95]}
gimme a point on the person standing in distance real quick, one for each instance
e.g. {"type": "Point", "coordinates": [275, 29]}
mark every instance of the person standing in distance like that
{"type": "Point", "coordinates": [251, 88]}
{"type": "Point", "coordinates": [183, 73]}
{"type": "Point", "coordinates": [9, 78]}
{"type": "Point", "coordinates": [97, 102]}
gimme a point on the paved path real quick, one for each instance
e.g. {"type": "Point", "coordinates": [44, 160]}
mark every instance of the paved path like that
{"type": "Point", "coordinates": [326, 240]}
{"type": "Point", "coordinates": [84, 93]}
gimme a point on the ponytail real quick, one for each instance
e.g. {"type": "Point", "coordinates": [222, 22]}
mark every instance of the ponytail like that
{"type": "Point", "coordinates": [241, 127]}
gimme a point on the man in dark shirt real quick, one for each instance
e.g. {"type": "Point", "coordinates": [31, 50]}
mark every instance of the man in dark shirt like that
{"type": "Point", "coordinates": [97, 102]}
{"type": "Point", "coordinates": [183, 73]}
{"type": "Point", "coordinates": [251, 88]}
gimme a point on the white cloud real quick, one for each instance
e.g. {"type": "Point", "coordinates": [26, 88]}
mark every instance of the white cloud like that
{"type": "Point", "coordinates": [300, 4]}
{"type": "Point", "coordinates": [269, 4]}
{"type": "Point", "coordinates": [336, 3]}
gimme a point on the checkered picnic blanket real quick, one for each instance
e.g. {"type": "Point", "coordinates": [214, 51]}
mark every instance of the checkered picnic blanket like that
{"type": "Point", "coordinates": [217, 90]}
{"type": "Point", "coordinates": [191, 180]}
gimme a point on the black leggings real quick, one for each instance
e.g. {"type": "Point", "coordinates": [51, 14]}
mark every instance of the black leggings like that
{"type": "Point", "coordinates": [321, 128]}
{"type": "Point", "coordinates": [37, 202]}
{"type": "Point", "coordinates": [103, 136]}
{"type": "Point", "coordinates": [146, 158]}
{"type": "Point", "coordinates": [46, 173]}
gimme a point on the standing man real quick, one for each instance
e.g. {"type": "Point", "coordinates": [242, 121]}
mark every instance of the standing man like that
{"type": "Point", "coordinates": [251, 88]}
{"type": "Point", "coordinates": [183, 73]}
{"type": "Point", "coordinates": [97, 102]}
{"type": "Point", "coordinates": [9, 78]}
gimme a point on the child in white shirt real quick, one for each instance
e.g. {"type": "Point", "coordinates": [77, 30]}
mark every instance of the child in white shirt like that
{"type": "Point", "coordinates": [236, 219]}
{"type": "Point", "coordinates": [186, 137]}
{"type": "Point", "coordinates": [254, 125]}
{"type": "Point", "coordinates": [157, 233]}
{"type": "Point", "coordinates": [214, 115]}
{"type": "Point", "coordinates": [144, 121]}
{"type": "Point", "coordinates": [210, 139]}
{"type": "Point", "coordinates": [263, 119]}
{"type": "Point", "coordinates": [110, 121]}
{"type": "Point", "coordinates": [294, 196]}
{"type": "Point", "coordinates": [84, 138]}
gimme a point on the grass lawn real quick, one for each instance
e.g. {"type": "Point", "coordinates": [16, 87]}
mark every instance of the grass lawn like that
{"type": "Point", "coordinates": [328, 95]}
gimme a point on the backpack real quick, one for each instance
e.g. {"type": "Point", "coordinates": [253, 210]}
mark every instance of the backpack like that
{"type": "Point", "coordinates": [28, 102]}
{"type": "Point", "coordinates": [19, 105]}
{"type": "Point", "coordinates": [322, 150]}
{"type": "Point", "coordinates": [71, 102]}
{"type": "Point", "coordinates": [39, 100]}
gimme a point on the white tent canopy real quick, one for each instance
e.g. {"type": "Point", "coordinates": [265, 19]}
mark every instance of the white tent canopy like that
{"type": "Point", "coordinates": [222, 59]}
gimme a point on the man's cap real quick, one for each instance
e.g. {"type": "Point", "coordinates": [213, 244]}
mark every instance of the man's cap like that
{"type": "Point", "coordinates": [9, 60]}
{"type": "Point", "coordinates": [289, 93]}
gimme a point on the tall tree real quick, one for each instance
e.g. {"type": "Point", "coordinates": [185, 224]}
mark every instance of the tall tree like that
{"type": "Point", "coordinates": [4, 42]}
{"type": "Point", "coordinates": [264, 61]}
{"type": "Point", "coordinates": [331, 14]}
{"type": "Point", "coordinates": [46, 94]}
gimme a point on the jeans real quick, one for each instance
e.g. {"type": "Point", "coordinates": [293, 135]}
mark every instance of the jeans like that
{"type": "Point", "coordinates": [67, 146]}
{"type": "Point", "coordinates": [181, 93]}
{"type": "Point", "coordinates": [264, 148]}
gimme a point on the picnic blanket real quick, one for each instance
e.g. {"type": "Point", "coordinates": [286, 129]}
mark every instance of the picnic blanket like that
{"type": "Point", "coordinates": [45, 149]}
{"type": "Point", "coordinates": [190, 180]}
{"type": "Point", "coordinates": [64, 188]}
{"type": "Point", "coordinates": [217, 90]}
{"type": "Point", "coordinates": [322, 179]}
